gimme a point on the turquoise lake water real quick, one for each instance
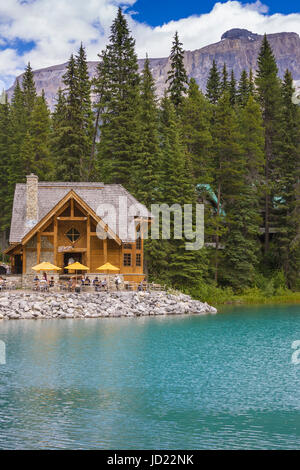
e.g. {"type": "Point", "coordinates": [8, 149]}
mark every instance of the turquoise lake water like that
{"type": "Point", "coordinates": [214, 382]}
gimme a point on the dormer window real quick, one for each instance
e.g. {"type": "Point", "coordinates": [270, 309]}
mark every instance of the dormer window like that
{"type": "Point", "coordinates": [73, 235]}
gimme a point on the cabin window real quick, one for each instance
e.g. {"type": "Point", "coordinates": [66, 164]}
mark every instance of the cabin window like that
{"type": "Point", "coordinates": [73, 235]}
{"type": "Point", "coordinates": [128, 246]}
{"type": "Point", "coordinates": [127, 259]}
{"type": "Point", "coordinates": [138, 260]}
{"type": "Point", "coordinates": [139, 244]}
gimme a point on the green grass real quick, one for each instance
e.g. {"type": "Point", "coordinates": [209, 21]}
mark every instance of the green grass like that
{"type": "Point", "coordinates": [256, 296]}
{"type": "Point", "coordinates": [222, 296]}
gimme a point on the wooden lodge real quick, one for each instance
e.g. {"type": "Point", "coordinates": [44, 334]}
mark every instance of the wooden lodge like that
{"type": "Point", "coordinates": [58, 223]}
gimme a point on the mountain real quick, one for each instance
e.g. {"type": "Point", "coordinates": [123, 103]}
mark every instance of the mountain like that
{"type": "Point", "coordinates": [238, 48]}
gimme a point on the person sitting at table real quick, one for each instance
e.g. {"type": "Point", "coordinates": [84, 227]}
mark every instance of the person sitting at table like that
{"type": "Point", "coordinates": [96, 284]}
{"type": "Point", "coordinates": [36, 282]}
{"type": "Point", "coordinates": [104, 284]}
{"type": "Point", "coordinates": [87, 281]}
{"type": "Point", "coordinates": [51, 282]}
{"type": "Point", "coordinates": [43, 284]}
{"type": "Point", "coordinates": [73, 284]}
{"type": "Point", "coordinates": [78, 286]}
{"type": "Point", "coordinates": [140, 287]}
{"type": "Point", "coordinates": [82, 280]}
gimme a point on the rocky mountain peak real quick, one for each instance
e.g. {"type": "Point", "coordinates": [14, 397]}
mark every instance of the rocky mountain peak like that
{"type": "Point", "coordinates": [237, 33]}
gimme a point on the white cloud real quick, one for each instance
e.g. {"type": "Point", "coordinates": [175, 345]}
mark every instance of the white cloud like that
{"type": "Point", "coordinates": [58, 26]}
{"type": "Point", "coordinates": [200, 30]}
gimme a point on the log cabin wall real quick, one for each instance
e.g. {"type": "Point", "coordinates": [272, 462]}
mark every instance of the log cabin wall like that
{"type": "Point", "coordinates": [52, 242]}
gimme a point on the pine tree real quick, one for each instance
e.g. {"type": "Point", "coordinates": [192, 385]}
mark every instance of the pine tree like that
{"type": "Point", "coordinates": [67, 137]}
{"type": "Point", "coordinates": [86, 113]}
{"type": "Point", "coordinates": [29, 91]}
{"type": "Point", "coordinates": [120, 124]}
{"type": "Point", "coordinates": [59, 113]}
{"type": "Point", "coordinates": [19, 125]}
{"type": "Point", "coordinates": [287, 241]}
{"type": "Point", "coordinates": [232, 89]}
{"type": "Point", "coordinates": [196, 136]}
{"type": "Point", "coordinates": [147, 166]}
{"type": "Point", "coordinates": [73, 122]}
{"type": "Point", "coordinates": [177, 77]}
{"type": "Point", "coordinates": [251, 83]}
{"type": "Point", "coordinates": [224, 83]}
{"type": "Point", "coordinates": [213, 86]}
{"type": "Point", "coordinates": [100, 91]}
{"type": "Point", "coordinates": [39, 132]}
{"type": "Point", "coordinates": [269, 96]}
{"type": "Point", "coordinates": [243, 92]}
{"type": "Point", "coordinates": [169, 260]}
{"type": "Point", "coordinates": [253, 142]}
{"type": "Point", "coordinates": [5, 162]}
{"type": "Point", "coordinates": [233, 228]}
{"type": "Point", "coordinates": [27, 151]}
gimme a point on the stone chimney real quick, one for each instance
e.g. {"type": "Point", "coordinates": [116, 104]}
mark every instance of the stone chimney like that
{"type": "Point", "coordinates": [32, 208]}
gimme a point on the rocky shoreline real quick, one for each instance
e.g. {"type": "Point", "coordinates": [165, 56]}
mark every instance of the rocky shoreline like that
{"type": "Point", "coordinates": [20, 305]}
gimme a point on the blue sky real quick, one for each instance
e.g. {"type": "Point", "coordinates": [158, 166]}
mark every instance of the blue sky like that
{"type": "Point", "coordinates": [157, 12]}
{"type": "Point", "coordinates": [46, 32]}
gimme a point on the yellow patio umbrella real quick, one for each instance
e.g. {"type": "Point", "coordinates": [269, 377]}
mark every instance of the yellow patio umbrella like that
{"type": "Point", "coordinates": [108, 267]}
{"type": "Point", "coordinates": [77, 267]}
{"type": "Point", "coordinates": [46, 267]}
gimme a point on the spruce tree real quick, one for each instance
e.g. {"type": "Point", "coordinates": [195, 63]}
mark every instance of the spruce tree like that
{"type": "Point", "coordinates": [148, 163]}
{"type": "Point", "coordinates": [120, 124]}
{"type": "Point", "coordinates": [67, 135]}
{"type": "Point", "coordinates": [196, 135]}
{"type": "Point", "coordinates": [100, 91]}
{"type": "Point", "coordinates": [40, 133]}
{"type": "Point", "coordinates": [5, 163]}
{"type": "Point", "coordinates": [86, 113]}
{"type": "Point", "coordinates": [253, 143]}
{"type": "Point", "coordinates": [177, 77]}
{"type": "Point", "coordinates": [243, 92]}
{"type": "Point", "coordinates": [213, 86]}
{"type": "Point", "coordinates": [29, 91]}
{"type": "Point", "coordinates": [232, 89]}
{"type": "Point", "coordinates": [287, 242]}
{"type": "Point", "coordinates": [269, 97]}
{"type": "Point", "coordinates": [233, 229]}
{"type": "Point", "coordinates": [251, 83]}
{"type": "Point", "coordinates": [19, 126]}
{"type": "Point", "coordinates": [27, 151]}
{"type": "Point", "coordinates": [224, 83]}
{"type": "Point", "coordinates": [169, 260]}
{"type": "Point", "coordinates": [73, 122]}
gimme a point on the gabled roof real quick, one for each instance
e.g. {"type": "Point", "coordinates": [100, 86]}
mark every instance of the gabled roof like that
{"type": "Point", "coordinates": [50, 194]}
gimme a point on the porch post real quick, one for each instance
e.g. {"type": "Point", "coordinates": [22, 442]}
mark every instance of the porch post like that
{"type": "Point", "coordinates": [105, 250]}
{"type": "Point", "coordinates": [88, 241]}
{"type": "Point", "coordinates": [55, 240]}
{"type": "Point", "coordinates": [134, 257]}
{"type": "Point", "coordinates": [38, 248]}
{"type": "Point", "coordinates": [24, 259]}
{"type": "Point", "coordinates": [121, 258]}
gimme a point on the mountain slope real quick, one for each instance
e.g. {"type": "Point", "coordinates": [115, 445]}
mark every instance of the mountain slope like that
{"type": "Point", "coordinates": [238, 48]}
